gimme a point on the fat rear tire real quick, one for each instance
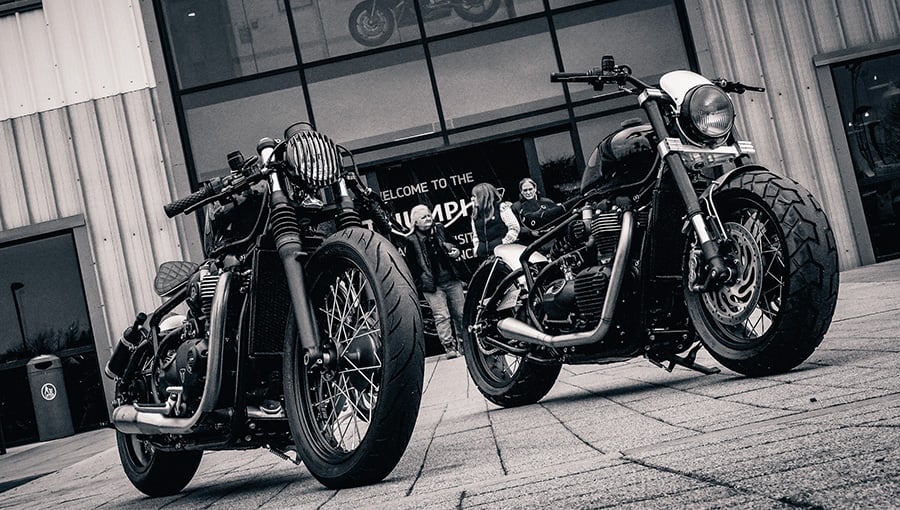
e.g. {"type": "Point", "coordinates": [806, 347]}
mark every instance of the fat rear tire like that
{"type": "Point", "coordinates": [153, 472]}
{"type": "Point", "coordinates": [380, 403]}
{"type": "Point", "coordinates": [504, 379]}
{"type": "Point", "coordinates": [799, 286]}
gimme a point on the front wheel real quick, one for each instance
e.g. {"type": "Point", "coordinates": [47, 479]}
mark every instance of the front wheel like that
{"type": "Point", "coordinates": [352, 416]}
{"type": "Point", "coordinates": [476, 10]}
{"type": "Point", "coordinates": [371, 23]}
{"type": "Point", "coordinates": [774, 314]}
{"type": "Point", "coordinates": [504, 378]}
{"type": "Point", "coordinates": [156, 473]}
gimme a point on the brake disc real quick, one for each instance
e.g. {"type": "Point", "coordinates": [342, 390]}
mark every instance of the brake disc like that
{"type": "Point", "coordinates": [732, 304]}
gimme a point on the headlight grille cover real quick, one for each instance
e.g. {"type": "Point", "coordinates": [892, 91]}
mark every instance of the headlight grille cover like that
{"type": "Point", "coordinates": [313, 156]}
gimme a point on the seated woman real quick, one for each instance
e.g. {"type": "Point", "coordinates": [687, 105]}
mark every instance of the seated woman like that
{"type": "Point", "coordinates": [493, 222]}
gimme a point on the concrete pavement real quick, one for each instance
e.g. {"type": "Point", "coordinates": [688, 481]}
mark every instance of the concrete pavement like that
{"type": "Point", "coordinates": [629, 435]}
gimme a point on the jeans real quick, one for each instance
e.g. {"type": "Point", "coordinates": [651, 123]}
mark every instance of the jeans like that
{"type": "Point", "coordinates": [446, 304]}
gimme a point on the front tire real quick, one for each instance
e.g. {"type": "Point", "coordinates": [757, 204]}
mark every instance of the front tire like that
{"type": "Point", "coordinates": [777, 311]}
{"type": "Point", "coordinates": [371, 26]}
{"type": "Point", "coordinates": [153, 472]}
{"type": "Point", "coordinates": [505, 379]}
{"type": "Point", "coordinates": [352, 418]}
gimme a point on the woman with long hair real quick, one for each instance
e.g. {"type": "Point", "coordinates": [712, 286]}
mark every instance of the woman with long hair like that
{"type": "Point", "coordinates": [493, 221]}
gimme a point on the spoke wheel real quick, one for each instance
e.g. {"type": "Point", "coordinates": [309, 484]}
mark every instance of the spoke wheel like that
{"type": "Point", "coordinates": [341, 398]}
{"type": "Point", "coordinates": [352, 416]}
{"type": "Point", "coordinates": [503, 378]}
{"type": "Point", "coordinates": [775, 311]}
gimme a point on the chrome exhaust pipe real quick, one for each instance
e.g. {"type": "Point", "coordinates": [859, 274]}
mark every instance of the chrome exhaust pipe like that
{"type": "Point", "coordinates": [514, 329]}
{"type": "Point", "coordinates": [130, 419]}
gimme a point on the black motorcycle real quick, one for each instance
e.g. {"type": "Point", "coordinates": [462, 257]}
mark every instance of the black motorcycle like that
{"type": "Point", "coordinates": [300, 332]}
{"type": "Point", "coordinates": [372, 22]}
{"type": "Point", "coordinates": [677, 241]}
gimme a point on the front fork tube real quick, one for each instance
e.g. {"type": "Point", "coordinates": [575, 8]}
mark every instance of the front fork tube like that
{"type": "Point", "coordinates": [719, 272]}
{"type": "Point", "coordinates": [286, 231]}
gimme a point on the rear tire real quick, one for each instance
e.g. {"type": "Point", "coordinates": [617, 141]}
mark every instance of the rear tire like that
{"type": "Point", "coordinates": [352, 420]}
{"type": "Point", "coordinates": [504, 379]}
{"type": "Point", "coordinates": [153, 472]}
{"type": "Point", "coordinates": [776, 314]}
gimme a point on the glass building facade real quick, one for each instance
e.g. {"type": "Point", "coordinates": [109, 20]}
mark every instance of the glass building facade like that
{"type": "Point", "coordinates": [244, 69]}
{"type": "Point", "coordinates": [431, 96]}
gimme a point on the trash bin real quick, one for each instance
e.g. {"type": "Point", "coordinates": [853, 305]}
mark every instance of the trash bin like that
{"type": "Point", "coordinates": [48, 395]}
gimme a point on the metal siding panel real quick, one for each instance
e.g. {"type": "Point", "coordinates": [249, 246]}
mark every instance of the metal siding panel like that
{"type": "Point", "coordinates": [33, 166]}
{"type": "Point", "coordinates": [885, 18]}
{"type": "Point", "coordinates": [69, 52]}
{"type": "Point", "coordinates": [16, 90]}
{"type": "Point", "coordinates": [41, 69]}
{"type": "Point", "coordinates": [854, 21]}
{"type": "Point", "coordinates": [65, 34]}
{"type": "Point", "coordinates": [128, 204]}
{"type": "Point", "coordinates": [125, 44]}
{"type": "Point", "coordinates": [61, 162]}
{"type": "Point", "coordinates": [152, 179]}
{"type": "Point", "coordinates": [826, 26]}
{"type": "Point", "coordinates": [808, 137]}
{"type": "Point", "coordinates": [774, 55]}
{"type": "Point", "coordinates": [13, 206]}
{"type": "Point", "coordinates": [100, 214]}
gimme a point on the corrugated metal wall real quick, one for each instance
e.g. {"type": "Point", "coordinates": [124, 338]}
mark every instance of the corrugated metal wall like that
{"type": "Point", "coordinates": [772, 43]}
{"type": "Point", "coordinates": [79, 135]}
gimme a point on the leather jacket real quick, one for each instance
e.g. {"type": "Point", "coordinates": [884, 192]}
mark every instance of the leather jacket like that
{"type": "Point", "coordinates": [420, 263]}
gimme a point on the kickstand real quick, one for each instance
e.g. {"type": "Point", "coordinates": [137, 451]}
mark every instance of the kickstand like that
{"type": "Point", "coordinates": [688, 361]}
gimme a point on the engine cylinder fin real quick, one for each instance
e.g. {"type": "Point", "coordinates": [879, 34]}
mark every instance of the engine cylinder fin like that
{"type": "Point", "coordinates": [590, 292]}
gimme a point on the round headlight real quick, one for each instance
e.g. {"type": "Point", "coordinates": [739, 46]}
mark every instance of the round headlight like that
{"type": "Point", "coordinates": [707, 114]}
{"type": "Point", "coordinates": [313, 156]}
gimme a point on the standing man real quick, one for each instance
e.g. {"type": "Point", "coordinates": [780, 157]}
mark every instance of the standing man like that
{"type": "Point", "coordinates": [430, 257]}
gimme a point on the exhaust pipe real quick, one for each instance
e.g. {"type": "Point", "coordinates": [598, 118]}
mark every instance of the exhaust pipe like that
{"type": "Point", "coordinates": [130, 419]}
{"type": "Point", "coordinates": [514, 329]}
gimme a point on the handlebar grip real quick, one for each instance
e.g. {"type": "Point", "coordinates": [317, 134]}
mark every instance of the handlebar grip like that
{"type": "Point", "coordinates": [179, 206]}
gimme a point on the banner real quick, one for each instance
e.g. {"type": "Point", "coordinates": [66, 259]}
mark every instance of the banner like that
{"type": "Point", "coordinates": [444, 183]}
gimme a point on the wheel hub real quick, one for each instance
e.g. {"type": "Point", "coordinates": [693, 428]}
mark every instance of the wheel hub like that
{"type": "Point", "coordinates": [735, 301]}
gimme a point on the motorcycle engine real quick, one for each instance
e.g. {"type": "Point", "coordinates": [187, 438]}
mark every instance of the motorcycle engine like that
{"type": "Point", "coordinates": [184, 348]}
{"type": "Point", "coordinates": [580, 298]}
{"type": "Point", "coordinates": [576, 299]}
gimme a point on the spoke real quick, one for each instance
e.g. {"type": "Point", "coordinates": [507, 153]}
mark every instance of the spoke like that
{"type": "Point", "coordinates": [359, 370]}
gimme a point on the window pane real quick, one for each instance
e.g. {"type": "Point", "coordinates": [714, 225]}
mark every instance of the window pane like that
{"type": "Point", "coordinates": [377, 99]}
{"type": "Point", "coordinates": [868, 94]}
{"type": "Point", "coordinates": [339, 27]}
{"type": "Point", "coordinates": [215, 40]}
{"type": "Point", "coordinates": [643, 34]}
{"type": "Point", "coordinates": [42, 304]}
{"type": "Point", "coordinates": [441, 17]}
{"type": "Point", "coordinates": [510, 74]}
{"type": "Point", "coordinates": [236, 117]}
{"type": "Point", "coordinates": [559, 173]}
